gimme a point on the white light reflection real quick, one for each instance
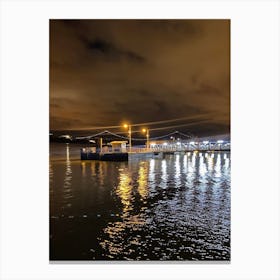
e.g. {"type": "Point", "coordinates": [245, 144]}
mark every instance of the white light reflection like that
{"type": "Point", "coordinates": [191, 166]}
{"type": "Point", "coordinates": [218, 166]}
{"type": "Point", "coordinates": [227, 162]}
{"type": "Point", "coordinates": [185, 163]}
{"type": "Point", "coordinates": [193, 159]}
{"type": "Point", "coordinates": [164, 172]}
{"type": "Point", "coordinates": [210, 161]}
{"type": "Point", "coordinates": [152, 170]}
{"type": "Point", "coordinates": [177, 170]}
{"type": "Point", "coordinates": [202, 167]}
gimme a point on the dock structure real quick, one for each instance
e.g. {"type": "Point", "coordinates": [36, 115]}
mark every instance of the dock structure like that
{"type": "Point", "coordinates": [122, 150]}
{"type": "Point", "coordinates": [88, 155]}
{"type": "Point", "coordinates": [117, 151]}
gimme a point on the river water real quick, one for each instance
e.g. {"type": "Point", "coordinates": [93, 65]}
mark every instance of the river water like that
{"type": "Point", "coordinates": [171, 208]}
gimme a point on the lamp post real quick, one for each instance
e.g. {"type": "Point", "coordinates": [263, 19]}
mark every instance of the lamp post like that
{"type": "Point", "coordinates": [146, 130]}
{"type": "Point", "coordinates": [129, 134]}
{"type": "Point", "coordinates": [101, 144]}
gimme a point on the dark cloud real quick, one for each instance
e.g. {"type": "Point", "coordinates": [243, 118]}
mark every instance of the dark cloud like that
{"type": "Point", "coordinates": [110, 51]}
{"type": "Point", "coordinates": [105, 71]}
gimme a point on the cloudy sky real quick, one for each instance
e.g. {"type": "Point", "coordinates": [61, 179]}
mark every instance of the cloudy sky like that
{"type": "Point", "coordinates": [106, 72]}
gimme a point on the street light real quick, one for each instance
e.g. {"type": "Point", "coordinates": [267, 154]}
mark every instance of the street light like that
{"type": "Point", "coordinates": [146, 130]}
{"type": "Point", "coordinates": [129, 134]}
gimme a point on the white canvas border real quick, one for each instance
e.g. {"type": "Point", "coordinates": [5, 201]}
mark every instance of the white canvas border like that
{"type": "Point", "coordinates": [255, 118]}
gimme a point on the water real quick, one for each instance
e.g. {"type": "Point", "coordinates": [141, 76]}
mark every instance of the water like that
{"type": "Point", "coordinates": [171, 208]}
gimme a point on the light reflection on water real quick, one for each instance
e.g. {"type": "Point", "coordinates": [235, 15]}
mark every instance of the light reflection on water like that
{"type": "Point", "coordinates": [174, 208]}
{"type": "Point", "coordinates": [124, 190]}
{"type": "Point", "coordinates": [67, 188]}
{"type": "Point", "coordinates": [164, 173]}
{"type": "Point", "coordinates": [143, 179]}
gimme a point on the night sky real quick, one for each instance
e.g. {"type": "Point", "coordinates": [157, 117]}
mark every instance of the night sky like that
{"type": "Point", "coordinates": [107, 72]}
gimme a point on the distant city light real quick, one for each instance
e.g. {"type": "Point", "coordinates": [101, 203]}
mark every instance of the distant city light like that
{"type": "Point", "coordinates": [220, 141]}
{"type": "Point", "coordinates": [178, 143]}
{"type": "Point", "coordinates": [164, 144]}
{"type": "Point", "coordinates": [205, 142]}
{"type": "Point", "coordinates": [192, 143]}
{"type": "Point", "coordinates": [66, 136]}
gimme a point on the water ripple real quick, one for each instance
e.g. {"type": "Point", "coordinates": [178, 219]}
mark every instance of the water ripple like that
{"type": "Point", "coordinates": [175, 208]}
